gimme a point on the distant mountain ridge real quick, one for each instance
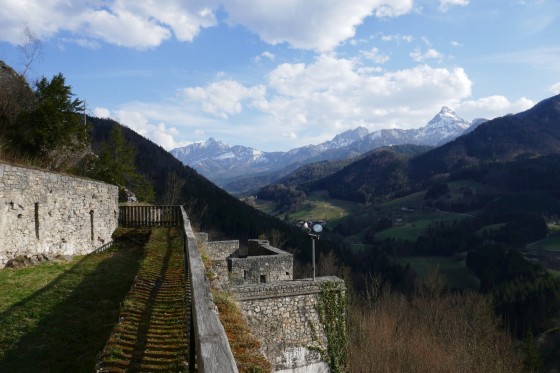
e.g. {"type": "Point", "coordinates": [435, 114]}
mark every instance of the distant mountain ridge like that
{"type": "Point", "coordinates": [228, 166]}
{"type": "Point", "coordinates": [511, 153]}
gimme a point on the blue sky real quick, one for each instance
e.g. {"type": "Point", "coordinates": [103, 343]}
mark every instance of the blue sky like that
{"type": "Point", "coordinates": [279, 74]}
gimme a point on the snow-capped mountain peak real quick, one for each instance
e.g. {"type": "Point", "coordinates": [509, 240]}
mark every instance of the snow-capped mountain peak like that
{"type": "Point", "coordinates": [223, 163]}
{"type": "Point", "coordinates": [351, 135]}
{"type": "Point", "coordinates": [446, 118]}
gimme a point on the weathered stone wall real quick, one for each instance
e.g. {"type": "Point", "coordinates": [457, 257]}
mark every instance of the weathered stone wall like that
{"type": "Point", "coordinates": [49, 213]}
{"type": "Point", "coordinates": [220, 250]}
{"type": "Point", "coordinates": [260, 269]}
{"type": "Point", "coordinates": [260, 263]}
{"type": "Point", "coordinates": [284, 317]}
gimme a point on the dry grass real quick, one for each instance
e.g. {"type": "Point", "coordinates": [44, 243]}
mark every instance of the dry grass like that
{"type": "Point", "coordinates": [430, 333]}
{"type": "Point", "coordinates": [244, 346]}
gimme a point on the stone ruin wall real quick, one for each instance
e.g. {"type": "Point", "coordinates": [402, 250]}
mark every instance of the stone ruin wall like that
{"type": "Point", "coordinates": [281, 313]}
{"type": "Point", "coordinates": [49, 213]}
{"type": "Point", "coordinates": [284, 317]}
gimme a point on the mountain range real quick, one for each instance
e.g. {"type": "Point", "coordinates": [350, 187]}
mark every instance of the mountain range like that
{"type": "Point", "coordinates": [239, 168]}
{"type": "Point", "coordinates": [510, 153]}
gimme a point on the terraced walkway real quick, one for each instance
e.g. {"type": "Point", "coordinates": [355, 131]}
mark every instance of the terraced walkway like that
{"type": "Point", "coordinates": [151, 335]}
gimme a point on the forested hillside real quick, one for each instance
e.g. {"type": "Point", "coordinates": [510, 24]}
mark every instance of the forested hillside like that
{"type": "Point", "coordinates": [211, 208]}
{"type": "Point", "coordinates": [477, 206]}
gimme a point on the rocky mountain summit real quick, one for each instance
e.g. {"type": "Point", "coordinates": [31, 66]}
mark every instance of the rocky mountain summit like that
{"type": "Point", "coordinates": [224, 164]}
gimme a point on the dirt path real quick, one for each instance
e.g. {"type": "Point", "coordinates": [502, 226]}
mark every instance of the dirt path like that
{"type": "Point", "coordinates": [151, 335]}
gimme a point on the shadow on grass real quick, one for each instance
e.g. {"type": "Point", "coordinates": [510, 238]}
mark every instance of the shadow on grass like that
{"type": "Point", "coordinates": [150, 336]}
{"type": "Point", "coordinates": [63, 326]}
{"type": "Point", "coordinates": [145, 323]}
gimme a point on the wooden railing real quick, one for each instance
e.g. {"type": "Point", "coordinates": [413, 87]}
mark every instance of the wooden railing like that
{"type": "Point", "coordinates": [210, 351]}
{"type": "Point", "coordinates": [150, 216]}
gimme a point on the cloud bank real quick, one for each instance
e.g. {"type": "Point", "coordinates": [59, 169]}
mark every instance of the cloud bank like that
{"type": "Point", "coordinates": [308, 24]}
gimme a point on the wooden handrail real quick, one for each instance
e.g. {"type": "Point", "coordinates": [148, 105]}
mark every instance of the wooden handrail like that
{"type": "Point", "coordinates": [150, 216]}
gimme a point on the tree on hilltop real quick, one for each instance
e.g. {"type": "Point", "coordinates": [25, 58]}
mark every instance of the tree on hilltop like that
{"type": "Point", "coordinates": [53, 129]}
{"type": "Point", "coordinates": [116, 165]}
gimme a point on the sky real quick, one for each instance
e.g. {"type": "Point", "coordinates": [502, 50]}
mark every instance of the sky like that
{"type": "Point", "coordinates": [280, 74]}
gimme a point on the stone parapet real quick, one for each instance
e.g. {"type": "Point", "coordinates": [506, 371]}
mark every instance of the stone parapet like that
{"type": "Point", "coordinates": [282, 289]}
{"type": "Point", "coordinates": [285, 317]}
{"type": "Point", "coordinates": [49, 213]}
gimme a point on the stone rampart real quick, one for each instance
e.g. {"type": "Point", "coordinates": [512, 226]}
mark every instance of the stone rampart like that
{"type": "Point", "coordinates": [284, 316]}
{"type": "Point", "coordinates": [49, 213]}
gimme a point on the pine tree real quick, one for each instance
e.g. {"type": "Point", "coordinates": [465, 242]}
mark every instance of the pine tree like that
{"type": "Point", "coordinates": [116, 166]}
{"type": "Point", "coordinates": [54, 122]}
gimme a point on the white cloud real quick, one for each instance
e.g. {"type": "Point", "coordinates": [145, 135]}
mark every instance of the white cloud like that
{"type": "Point", "coordinates": [127, 23]}
{"type": "Point", "coordinates": [445, 4]}
{"type": "Point", "coordinates": [374, 55]}
{"type": "Point", "coordinates": [492, 107]}
{"type": "Point", "coordinates": [266, 54]}
{"type": "Point", "coordinates": [158, 133]}
{"type": "Point", "coordinates": [555, 88]}
{"type": "Point", "coordinates": [310, 24]}
{"type": "Point", "coordinates": [334, 94]}
{"type": "Point", "coordinates": [224, 98]}
{"type": "Point", "coordinates": [430, 54]}
{"type": "Point", "coordinates": [302, 103]}
{"type": "Point", "coordinates": [397, 38]}
{"type": "Point", "coordinates": [101, 112]}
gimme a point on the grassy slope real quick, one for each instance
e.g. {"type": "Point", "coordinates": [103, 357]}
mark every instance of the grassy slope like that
{"type": "Point", "coordinates": [317, 207]}
{"type": "Point", "coordinates": [552, 242]}
{"type": "Point", "coordinates": [458, 276]}
{"type": "Point", "coordinates": [57, 317]}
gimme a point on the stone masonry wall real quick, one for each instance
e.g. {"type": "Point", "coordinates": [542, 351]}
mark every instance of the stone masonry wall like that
{"type": "Point", "coordinates": [260, 262]}
{"type": "Point", "coordinates": [219, 250]}
{"type": "Point", "coordinates": [284, 317]}
{"type": "Point", "coordinates": [49, 213]}
{"type": "Point", "coordinates": [260, 269]}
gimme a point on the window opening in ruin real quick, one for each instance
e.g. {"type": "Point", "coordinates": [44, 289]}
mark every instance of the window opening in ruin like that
{"type": "Point", "coordinates": [91, 224]}
{"type": "Point", "coordinates": [287, 273]}
{"type": "Point", "coordinates": [36, 220]}
{"type": "Point", "coordinates": [245, 275]}
{"type": "Point", "coordinates": [263, 278]}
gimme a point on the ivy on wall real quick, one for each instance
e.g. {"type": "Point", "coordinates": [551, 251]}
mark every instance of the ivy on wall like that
{"type": "Point", "coordinates": [331, 307]}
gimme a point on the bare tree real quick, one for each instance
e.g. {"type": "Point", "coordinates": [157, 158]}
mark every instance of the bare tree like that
{"type": "Point", "coordinates": [31, 49]}
{"type": "Point", "coordinates": [328, 264]}
{"type": "Point", "coordinates": [173, 186]}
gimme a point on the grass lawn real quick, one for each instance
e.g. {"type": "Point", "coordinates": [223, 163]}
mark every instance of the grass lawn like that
{"type": "Point", "coordinates": [150, 336]}
{"type": "Point", "coordinates": [415, 223]}
{"type": "Point", "coordinates": [457, 274]}
{"type": "Point", "coordinates": [57, 317]}
{"type": "Point", "coordinates": [317, 207]}
{"type": "Point", "coordinates": [489, 228]}
{"type": "Point", "coordinates": [331, 209]}
{"type": "Point", "coordinates": [554, 273]}
{"type": "Point", "coordinates": [552, 242]}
